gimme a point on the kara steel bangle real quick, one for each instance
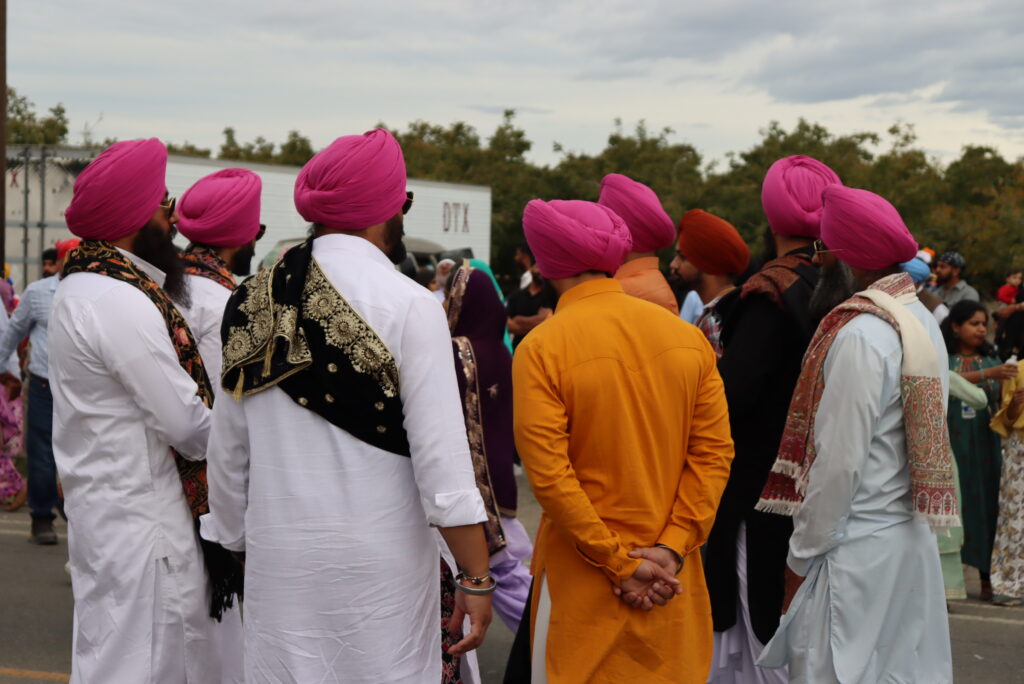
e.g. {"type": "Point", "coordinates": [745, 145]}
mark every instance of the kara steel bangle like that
{"type": "Point", "coordinates": [475, 590]}
{"type": "Point", "coordinates": [679, 559]}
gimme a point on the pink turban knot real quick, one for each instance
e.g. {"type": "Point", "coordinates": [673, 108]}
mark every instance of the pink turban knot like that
{"type": "Point", "coordinates": [864, 229]}
{"type": "Point", "coordinates": [570, 237]}
{"type": "Point", "coordinates": [356, 182]}
{"type": "Point", "coordinates": [222, 209]}
{"type": "Point", "coordinates": [118, 192]}
{"type": "Point", "coordinates": [791, 195]}
{"type": "Point", "coordinates": [639, 207]}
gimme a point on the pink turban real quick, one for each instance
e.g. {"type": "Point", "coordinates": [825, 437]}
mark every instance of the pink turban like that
{"type": "Point", "coordinates": [791, 195]}
{"type": "Point", "coordinates": [570, 237]}
{"type": "Point", "coordinates": [222, 209]}
{"type": "Point", "coordinates": [864, 229]}
{"type": "Point", "coordinates": [118, 192]}
{"type": "Point", "coordinates": [639, 207]}
{"type": "Point", "coordinates": [356, 182]}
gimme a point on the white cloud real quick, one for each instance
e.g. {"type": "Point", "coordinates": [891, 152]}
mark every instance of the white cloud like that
{"type": "Point", "coordinates": [715, 72]}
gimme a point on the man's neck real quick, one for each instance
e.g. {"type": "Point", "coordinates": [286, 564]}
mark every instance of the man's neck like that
{"type": "Point", "coordinates": [784, 244]}
{"type": "Point", "coordinates": [633, 256]}
{"type": "Point", "coordinates": [563, 285]}
{"type": "Point", "coordinates": [951, 283]}
{"type": "Point", "coordinates": [534, 288]}
{"type": "Point", "coordinates": [866, 279]}
{"type": "Point", "coordinates": [712, 286]}
{"type": "Point", "coordinates": [127, 243]}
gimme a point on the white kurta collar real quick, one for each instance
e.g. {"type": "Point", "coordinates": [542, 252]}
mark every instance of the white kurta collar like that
{"type": "Point", "coordinates": [352, 245]}
{"type": "Point", "coordinates": [149, 269]}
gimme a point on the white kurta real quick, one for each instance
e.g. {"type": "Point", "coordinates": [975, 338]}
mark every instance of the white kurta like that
{"type": "Point", "coordinates": [121, 400]}
{"type": "Point", "coordinates": [342, 567]}
{"type": "Point", "coordinates": [204, 315]}
{"type": "Point", "coordinates": [872, 607]}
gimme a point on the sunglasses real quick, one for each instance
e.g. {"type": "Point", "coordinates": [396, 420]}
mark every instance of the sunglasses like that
{"type": "Point", "coordinates": [169, 205]}
{"type": "Point", "coordinates": [408, 202]}
{"type": "Point", "coordinates": [820, 248]}
{"type": "Point", "coordinates": [262, 231]}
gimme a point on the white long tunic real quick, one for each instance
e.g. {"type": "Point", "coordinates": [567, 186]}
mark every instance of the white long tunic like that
{"type": "Point", "coordinates": [121, 400]}
{"type": "Point", "coordinates": [342, 567]}
{"type": "Point", "coordinates": [872, 607]}
{"type": "Point", "coordinates": [204, 315]}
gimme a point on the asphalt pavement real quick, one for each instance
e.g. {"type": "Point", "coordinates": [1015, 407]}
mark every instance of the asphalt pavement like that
{"type": "Point", "coordinates": [36, 610]}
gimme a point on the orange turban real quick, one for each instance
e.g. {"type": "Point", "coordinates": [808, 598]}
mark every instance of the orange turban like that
{"type": "Point", "coordinates": [712, 244]}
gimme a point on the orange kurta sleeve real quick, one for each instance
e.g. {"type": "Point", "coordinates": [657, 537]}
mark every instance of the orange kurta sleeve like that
{"type": "Point", "coordinates": [542, 439]}
{"type": "Point", "coordinates": [706, 471]}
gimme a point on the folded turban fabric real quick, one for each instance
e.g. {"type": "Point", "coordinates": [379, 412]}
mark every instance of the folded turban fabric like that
{"type": "Point", "coordinates": [569, 237]}
{"type": "Point", "coordinates": [954, 259]}
{"type": "Point", "coordinates": [712, 244]}
{"type": "Point", "coordinates": [925, 255]}
{"type": "Point", "coordinates": [222, 209]}
{"type": "Point", "coordinates": [791, 195]}
{"type": "Point", "coordinates": [639, 206]}
{"type": "Point", "coordinates": [355, 182]}
{"type": "Point", "coordinates": [65, 246]}
{"type": "Point", "coordinates": [119, 191]}
{"type": "Point", "coordinates": [917, 270]}
{"type": "Point", "coordinates": [864, 230]}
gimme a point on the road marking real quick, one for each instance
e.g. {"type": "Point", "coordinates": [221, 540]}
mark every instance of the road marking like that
{"type": "Point", "coordinates": [34, 674]}
{"type": "Point", "coordinates": [982, 618]}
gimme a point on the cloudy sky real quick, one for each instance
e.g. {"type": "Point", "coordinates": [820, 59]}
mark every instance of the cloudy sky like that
{"type": "Point", "coordinates": [716, 72]}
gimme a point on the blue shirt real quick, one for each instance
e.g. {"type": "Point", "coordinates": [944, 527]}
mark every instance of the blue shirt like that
{"type": "Point", "coordinates": [692, 307]}
{"type": "Point", "coordinates": [31, 319]}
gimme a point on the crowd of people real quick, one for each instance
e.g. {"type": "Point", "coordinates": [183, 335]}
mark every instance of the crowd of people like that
{"type": "Point", "coordinates": [772, 478]}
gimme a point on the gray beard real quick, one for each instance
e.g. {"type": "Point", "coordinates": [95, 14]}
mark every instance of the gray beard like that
{"type": "Point", "coordinates": [835, 285]}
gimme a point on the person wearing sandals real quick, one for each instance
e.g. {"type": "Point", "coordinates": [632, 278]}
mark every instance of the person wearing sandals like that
{"type": "Point", "coordinates": [1008, 552]}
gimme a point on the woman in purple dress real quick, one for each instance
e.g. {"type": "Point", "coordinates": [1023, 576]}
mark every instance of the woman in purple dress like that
{"type": "Point", "coordinates": [483, 365]}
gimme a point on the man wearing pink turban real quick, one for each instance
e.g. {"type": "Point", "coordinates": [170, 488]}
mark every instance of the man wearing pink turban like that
{"type": "Point", "coordinates": [622, 426]}
{"type": "Point", "coordinates": [339, 443]}
{"type": "Point", "coordinates": [131, 408]}
{"type": "Point", "coordinates": [651, 229]}
{"type": "Point", "coordinates": [865, 469]}
{"type": "Point", "coordinates": [220, 215]}
{"type": "Point", "coordinates": [763, 337]}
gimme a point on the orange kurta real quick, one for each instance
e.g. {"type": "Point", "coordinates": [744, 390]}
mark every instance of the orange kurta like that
{"type": "Point", "coordinates": [622, 426]}
{"type": "Point", "coordinates": [643, 278]}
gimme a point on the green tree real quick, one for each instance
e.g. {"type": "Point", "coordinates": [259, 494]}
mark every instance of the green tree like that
{"type": "Point", "coordinates": [26, 127]}
{"type": "Point", "coordinates": [188, 149]}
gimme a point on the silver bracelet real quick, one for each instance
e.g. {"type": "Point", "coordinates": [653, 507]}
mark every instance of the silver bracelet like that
{"type": "Point", "coordinates": [475, 591]}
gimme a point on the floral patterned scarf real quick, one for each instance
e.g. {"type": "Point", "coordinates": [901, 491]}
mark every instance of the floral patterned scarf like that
{"type": "Point", "coordinates": [924, 403]}
{"type": "Point", "coordinates": [202, 261]}
{"type": "Point", "coordinates": [97, 256]}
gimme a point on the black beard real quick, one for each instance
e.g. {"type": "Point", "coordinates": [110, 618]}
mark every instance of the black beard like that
{"type": "Point", "coordinates": [835, 285]}
{"type": "Point", "coordinates": [241, 263]}
{"type": "Point", "coordinates": [154, 245]}
{"type": "Point", "coordinates": [393, 233]}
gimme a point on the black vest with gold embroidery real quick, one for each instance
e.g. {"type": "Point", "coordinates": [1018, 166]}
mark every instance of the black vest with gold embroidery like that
{"type": "Point", "coordinates": [288, 326]}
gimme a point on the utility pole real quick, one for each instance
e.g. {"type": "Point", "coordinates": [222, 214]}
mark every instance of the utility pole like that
{"type": "Point", "coordinates": [3, 130]}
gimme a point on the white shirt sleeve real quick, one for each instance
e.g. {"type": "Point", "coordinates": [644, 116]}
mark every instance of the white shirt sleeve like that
{"type": "Point", "coordinates": [433, 419]}
{"type": "Point", "coordinates": [138, 350]}
{"type": "Point", "coordinates": [8, 333]}
{"type": "Point", "coordinates": [227, 472]}
{"type": "Point", "coordinates": [850, 406]}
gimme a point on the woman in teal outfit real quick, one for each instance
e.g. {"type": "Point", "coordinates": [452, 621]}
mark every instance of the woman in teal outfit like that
{"type": "Point", "coordinates": [975, 445]}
